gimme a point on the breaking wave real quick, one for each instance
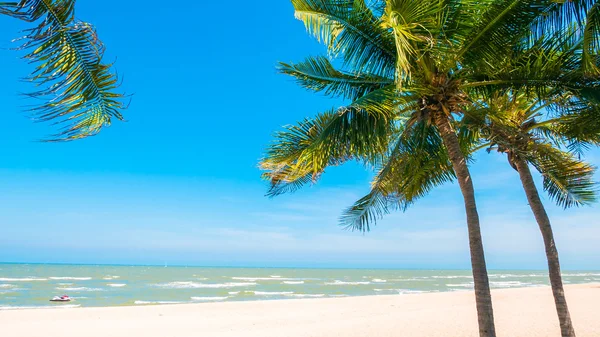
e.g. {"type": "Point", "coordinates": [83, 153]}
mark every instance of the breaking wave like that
{"type": "Point", "coordinates": [194, 285]}
{"type": "Point", "coordinates": [351, 283]}
{"type": "Point", "coordinates": [70, 278]}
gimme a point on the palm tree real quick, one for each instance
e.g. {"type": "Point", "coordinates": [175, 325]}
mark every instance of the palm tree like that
{"type": "Point", "coordinates": [410, 69]}
{"type": "Point", "coordinates": [516, 125]}
{"type": "Point", "coordinates": [78, 88]}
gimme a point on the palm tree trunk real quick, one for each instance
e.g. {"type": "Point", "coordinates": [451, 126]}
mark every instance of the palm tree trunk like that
{"type": "Point", "coordinates": [483, 297]}
{"type": "Point", "coordinates": [566, 327]}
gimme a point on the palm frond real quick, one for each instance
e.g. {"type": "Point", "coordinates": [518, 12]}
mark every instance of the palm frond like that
{"type": "Point", "coordinates": [414, 23]}
{"type": "Point", "coordinates": [8, 8]}
{"type": "Point", "coordinates": [550, 67]}
{"type": "Point", "coordinates": [505, 24]}
{"type": "Point", "coordinates": [568, 181]}
{"type": "Point", "coordinates": [417, 163]}
{"type": "Point", "coordinates": [558, 15]}
{"type": "Point", "coordinates": [591, 42]}
{"type": "Point", "coordinates": [318, 74]}
{"type": "Point", "coordinates": [582, 126]}
{"type": "Point", "coordinates": [360, 131]}
{"type": "Point", "coordinates": [302, 152]}
{"type": "Point", "coordinates": [349, 28]}
{"type": "Point", "coordinates": [79, 88]}
{"type": "Point", "coordinates": [365, 212]}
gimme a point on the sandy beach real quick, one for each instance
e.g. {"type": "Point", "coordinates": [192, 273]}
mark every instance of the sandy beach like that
{"type": "Point", "coordinates": [519, 312]}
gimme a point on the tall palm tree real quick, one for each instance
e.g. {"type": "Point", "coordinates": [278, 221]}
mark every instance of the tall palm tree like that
{"type": "Point", "coordinates": [78, 88]}
{"type": "Point", "coordinates": [409, 68]}
{"type": "Point", "coordinates": [516, 124]}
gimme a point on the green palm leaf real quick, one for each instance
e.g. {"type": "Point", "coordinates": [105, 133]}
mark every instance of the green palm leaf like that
{"type": "Point", "coordinates": [360, 131]}
{"type": "Point", "coordinates": [318, 74]}
{"type": "Point", "coordinates": [79, 89]}
{"type": "Point", "coordinates": [349, 28]}
{"type": "Point", "coordinates": [504, 23]}
{"type": "Point", "coordinates": [415, 25]}
{"type": "Point", "coordinates": [417, 163]}
{"type": "Point", "coordinates": [568, 181]}
{"type": "Point", "coordinates": [591, 42]}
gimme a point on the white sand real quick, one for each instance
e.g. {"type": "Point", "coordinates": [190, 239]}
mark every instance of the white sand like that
{"type": "Point", "coordinates": [519, 312]}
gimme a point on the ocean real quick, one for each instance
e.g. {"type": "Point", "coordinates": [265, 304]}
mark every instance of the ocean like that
{"type": "Point", "coordinates": [32, 285]}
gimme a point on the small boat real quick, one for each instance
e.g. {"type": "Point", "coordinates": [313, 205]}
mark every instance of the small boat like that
{"type": "Point", "coordinates": [63, 298]}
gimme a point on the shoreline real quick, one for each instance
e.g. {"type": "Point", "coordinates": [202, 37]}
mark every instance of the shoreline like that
{"type": "Point", "coordinates": [525, 311]}
{"type": "Point", "coordinates": [73, 305]}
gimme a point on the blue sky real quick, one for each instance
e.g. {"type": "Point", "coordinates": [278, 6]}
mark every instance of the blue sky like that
{"type": "Point", "coordinates": [178, 182]}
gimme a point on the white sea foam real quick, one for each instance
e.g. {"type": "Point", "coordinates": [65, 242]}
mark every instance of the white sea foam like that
{"type": "Point", "coordinates": [65, 284]}
{"type": "Point", "coordinates": [408, 279]}
{"type": "Point", "coordinates": [192, 285]}
{"type": "Point", "coordinates": [462, 285]}
{"type": "Point", "coordinates": [378, 280]}
{"type": "Point", "coordinates": [506, 276]}
{"type": "Point", "coordinates": [233, 292]}
{"type": "Point", "coordinates": [581, 274]}
{"type": "Point", "coordinates": [116, 285]}
{"type": "Point", "coordinates": [351, 283]}
{"type": "Point", "coordinates": [306, 295]}
{"type": "Point", "coordinates": [517, 275]}
{"type": "Point", "coordinates": [275, 276]}
{"type": "Point", "coordinates": [272, 293]}
{"type": "Point", "coordinates": [60, 306]}
{"type": "Point", "coordinates": [406, 291]}
{"type": "Point", "coordinates": [292, 282]}
{"type": "Point", "coordinates": [24, 279]}
{"type": "Point", "coordinates": [509, 284]}
{"type": "Point", "coordinates": [157, 302]}
{"type": "Point", "coordinates": [270, 278]}
{"type": "Point", "coordinates": [7, 285]}
{"type": "Point", "coordinates": [70, 278]}
{"type": "Point", "coordinates": [453, 276]}
{"type": "Point", "coordinates": [111, 277]}
{"type": "Point", "coordinates": [215, 298]}
{"type": "Point", "coordinates": [79, 289]}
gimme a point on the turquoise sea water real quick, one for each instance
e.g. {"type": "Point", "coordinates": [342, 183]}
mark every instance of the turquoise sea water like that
{"type": "Point", "coordinates": [32, 285]}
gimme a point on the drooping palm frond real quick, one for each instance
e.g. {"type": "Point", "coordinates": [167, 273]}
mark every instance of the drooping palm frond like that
{"type": "Point", "coordinates": [567, 180]}
{"type": "Point", "coordinates": [349, 28]}
{"type": "Point", "coordinates": [79, 88]}
{"type": "Point", "coordinates": [301, 152]}
{"type": "Point", "coordinates": [360, 131]}
{"type": "Point", "coordinates": [318, 74]}
{"type": "Point", "coordinates": [507, 23]}
{"type": "Point", "coordinates": [577, 127]}
{"type": "Point", "coordinates": [417, 163]}
{"type": "Point", "coordinates": [591, 42]}
{"type": "Point", "coordinates": [558, 15]}
{"type": "Point", "coordinates": [7, 8]}
{"type": "Point", "coordinates": [366, 211]}
{"type": "Point", "coordinates": [550, 67]}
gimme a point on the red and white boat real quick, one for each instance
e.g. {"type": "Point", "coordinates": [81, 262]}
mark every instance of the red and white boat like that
{"type": "Point", "coordinates": [63, 298]}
